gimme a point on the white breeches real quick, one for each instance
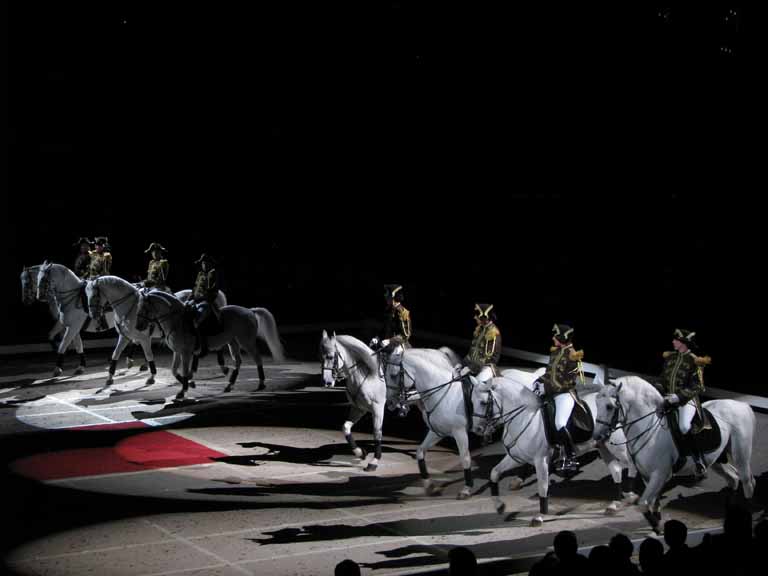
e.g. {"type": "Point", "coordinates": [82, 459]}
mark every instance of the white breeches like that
{"type": "Point", "coordinates": [685, 415]}
{"type": "Point", "coordinates": [485, 374]}
{"type": "Point", "coordinates": [563, 407]}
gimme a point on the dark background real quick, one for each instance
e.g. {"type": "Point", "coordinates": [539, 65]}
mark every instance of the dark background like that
{"type": "Point", "coordinates": [590, 165]}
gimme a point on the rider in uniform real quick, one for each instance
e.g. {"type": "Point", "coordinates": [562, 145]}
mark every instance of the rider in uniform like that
{"type": "Point", "coordinates": [157, 272]}
{"type": "Point", "coordinates": [485, 350]}
{"type": "Point", "coordinates": [83, 260]}
{"type": "Point", "coordinates": [100, 265]}
{"type": "Point", "coordinates": [204, 295]}
{"type": "Point", "coordinates": [397, 319]}
{"type": "Point", "coordinates": [682, 382]}
{"type": "Point", "coordinates": [559, 383]}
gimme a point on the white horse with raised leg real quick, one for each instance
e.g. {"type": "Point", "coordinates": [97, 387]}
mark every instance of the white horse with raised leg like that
{"type": "Point", "coordinates": [345, 358]}
{"type": "Point", "coordinates": [60, 283]}
{"type": "Point", "coordinates": [430, 374]}
{"type": "Point", "coordinates": [124, 298]}
{"type": "Point", "coordinates": [511, 403]}
{"type": "Point", "coordinates": [634, 405]}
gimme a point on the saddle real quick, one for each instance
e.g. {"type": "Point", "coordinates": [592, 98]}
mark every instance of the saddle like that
{"type": "Point", "coordinates": [705, 435]}
{"type": "Point", "coordinates": [581, 425]}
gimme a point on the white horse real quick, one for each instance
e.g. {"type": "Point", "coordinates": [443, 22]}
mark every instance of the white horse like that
{"type": "Point", "coordinates": [511, 403]}
{"type": "Point", "coordinates": [347, 359]}
{"type": "Point", "coordinates": [430, 374]}
{"type": "Point", "coordinates": [184, 296]}
{"type": "Point", "coordinates": [238, 327]}
{"type": "Point", "coordinates": [635, 405]}
{"type": "Point", "coordinates": [29, 296]}
{"type": "Point", "coordinates": [124, 298]}
{"type": "Point", "coordinates": [60, 283]}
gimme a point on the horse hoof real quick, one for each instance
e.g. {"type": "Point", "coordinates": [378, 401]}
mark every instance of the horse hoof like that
{"type": "Point", "coordinates": [464, 494]}
{"type": "Point", "coordinates": [228, 389]}
{"type": "Point", "coordinates": [431, 490]}
{"type": "Point", "coordinates": [630, 498]}
{"type": "Point", "coordinates": [143, 368]}
{"type": "Point", "coordinates": [261, 387]}
{"type": "Point", "coordinates": [225, 370]}
{"type": "Point", "coordinates": [192, 384]}
{"type": "Point", "coordinates": [612, 509]}
{"type": "Point", "coordinates": [78, 370]}
{"type": "Point", "coordinates": [500, 508]}
{"type": "Point", "coordinates": [515, 483]}
{"type": "Point", "coordinates": [109, 381]}
{"type": "Point", "coordinates": [150, 380]}
{"type": "Point", "coordinates": [57, 372]}
{"type": "Point", "coordinates": [537, 521]}
{"type": "Point", "coordinates": [370, 468]}
{"type": "Point", "coordinates": [180, 396]}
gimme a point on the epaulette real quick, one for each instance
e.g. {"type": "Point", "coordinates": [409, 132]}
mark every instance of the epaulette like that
{"type": "Point", "coordinates": [552, 349]}
{"type": "Point", "coordinates": [667, 354]}
{"type": "Point", "coordinates": [576, 355]}
{"type": "Point", "coordinates": [702, 360]}
{"type": "Point", "coordinates": [404, 312]}
{"type": "Point", "coordinates": [108, 255]}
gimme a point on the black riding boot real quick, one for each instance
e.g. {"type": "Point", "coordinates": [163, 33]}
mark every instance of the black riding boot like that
{"type": "Point", "coordinates": [698, 458]}
{"type": "Point", "coordinates": [568, 461]}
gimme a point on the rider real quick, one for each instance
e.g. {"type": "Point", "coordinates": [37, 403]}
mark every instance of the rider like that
{"type": "Point", "coordinates": [100, 265]}
{"type": "Point", "coordinates": [204, 295]}
{"type": "Point", "coordinates": [559, 383]}
{"type": "Point", "coordinates": [157, 273]}
{"type": "Point", "coordinates": [83, 260]}
{"type": "Point", "coordinates": [397, 322]}
{"type": "Point", "coordinates": [682, 381]}
{"type": "Point", "coordinates": [485, 350]}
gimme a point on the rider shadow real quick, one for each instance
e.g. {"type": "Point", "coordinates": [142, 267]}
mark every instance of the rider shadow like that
{"type": "Point", "coordinates": [472, 525]}
{"type": "Point", "coordinates": [319, 456]}
{"type": "Point", "coordinates": [20, 402]}
{"type": "Point", "coordinates": [387, 490]}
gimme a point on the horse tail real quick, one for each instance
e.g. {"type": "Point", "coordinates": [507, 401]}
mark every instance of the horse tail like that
{"type": "Point", "coordinates": [267, 331]}
{"type": "Point", "coordinates": [741, 441]}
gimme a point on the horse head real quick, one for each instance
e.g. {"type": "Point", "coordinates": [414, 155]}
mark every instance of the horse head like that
{"type": "Point", "coordinates": [610, 412]}
{"type": "Point", "coordinates": [331, 360]}
{"type": "Point", "coordinates": [44, 280]}
{"type": "Point", "coordinates": [28, 286]}
{"type": "Point", "coordinates": [93, 295]}
{"type": "Point", "coordinates": [487, 408]}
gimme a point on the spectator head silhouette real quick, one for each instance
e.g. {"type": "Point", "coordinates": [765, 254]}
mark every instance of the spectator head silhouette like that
{"type": "Point", "coordinates": [462, 561]}
{"type": "Point", "coordinates": [675, 534]}
{"type": "Point", "coordinates": [651, 556]}
{"type": "Point", "coordinates": [622, 547]}
{"type": "Point", "coordinates": [347, 568]}
{"type": "Point", "coordinates": [566, 545]}
{"type": "Point", "coordinates": [738, 524]}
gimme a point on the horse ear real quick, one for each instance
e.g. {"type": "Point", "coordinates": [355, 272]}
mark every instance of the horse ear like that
{"type": "Point", "coordinates": [619, 386]}
{"type": "Point", "coordinates": [325, 335]}
{"type": "Point", "coordinates": [334, 334]}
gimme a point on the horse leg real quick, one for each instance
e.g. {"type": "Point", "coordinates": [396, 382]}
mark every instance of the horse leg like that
{"type": "Point", "coordinates": [195, 364]}
{"type": "Point", "coordinates": [462, 442]}
{"type": "Point", "coordinates": [615, 468]}
{"type": "Point", "coordinates": [506, 464]}
{"type": "Point", "coordinates": [354, 416]}
{"type": "Point", "coordinates": [175, 363]}
{"type": "Point", "coordinates": [234, 349]}
{"type": "Point", "coordinates": [220, 360]}
{"type": "Point", "coordinates": [69, 335]}
{"type": "Point", "coordinates": [146, 345]}
{"type": "Point", "coordinates": [186, 369]}
{"type": "Point", "coordinates": [253, 350]}
{"type": "Point", "coordinates": [378, 423]}
{"type": "Point", "coordinates": [731, 476]}
{"type": "Point", "coordinates": [79, 347]}
{"type": "Point", "coordinates": [649, 501]}
{"type": "Point", "coordinates": [542, 481]}
{"type": "Point", "coordinates": [122, 342]}
{"type": "Point", "coordinates": [53, 332]}
{"type": "Point", "coordinates": [430, 440]}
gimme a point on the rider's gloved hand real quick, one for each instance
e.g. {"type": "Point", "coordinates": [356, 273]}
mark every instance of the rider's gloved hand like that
{"type": "Point", "coordinates": [672, 399]}
{"type": "Point", "coordinates": [464, 371]}
{"type": "Point", "coordinates": [385, 343]}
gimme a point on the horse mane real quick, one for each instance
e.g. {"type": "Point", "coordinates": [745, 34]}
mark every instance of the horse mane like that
{"type": "Point", "coordinates": [114, 280]}
{"type": "Point", "coordinates": [525, 395]}
{"type": "Point", "coordinates": [433, 356]}
{"type": "Point", "coordinates": [171, 300]}
{"type": "Point", "coordinates": [360, 352]}
{"type": "Point", "coordinates": [641, 388]}
{"type": "Point", "coordinates": [64, 270]}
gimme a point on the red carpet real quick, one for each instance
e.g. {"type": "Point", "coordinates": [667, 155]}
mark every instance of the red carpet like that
{"type": "Point", "coordinates": [142, 452]}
